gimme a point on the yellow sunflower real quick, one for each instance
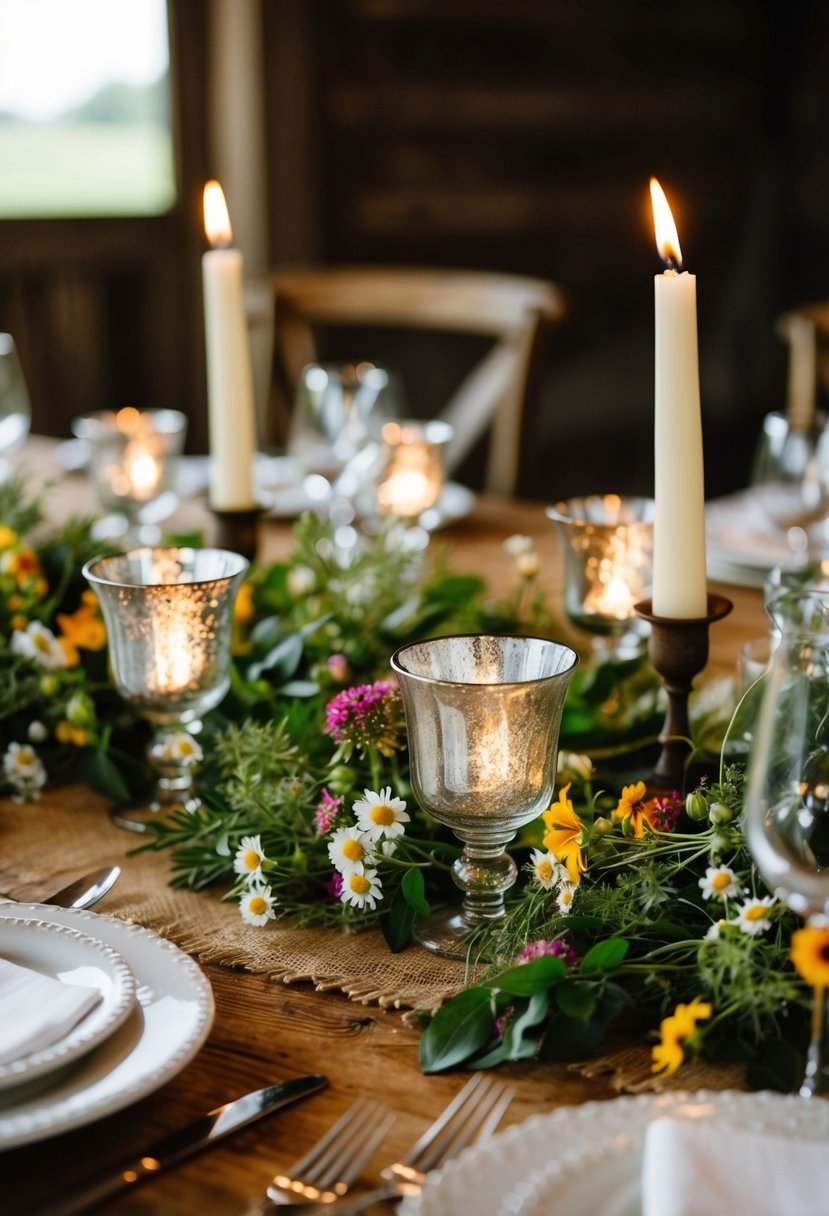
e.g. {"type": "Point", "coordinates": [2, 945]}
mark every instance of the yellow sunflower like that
{"type": "Point", "coordinates": [566, 836]}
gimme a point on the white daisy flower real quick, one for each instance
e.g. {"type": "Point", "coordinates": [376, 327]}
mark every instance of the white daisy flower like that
{"type": "Point", "coordinates": [300, 580]}
{"type": "Point", "coordinates": [516, 545]}
{"type": "Point", "coordinates": [360, 889]}
{"type": "Point", "coordinates": [256, 906]}
{"type": "Point", "coordinates": [713, 932]}
{"type": "Point", "coordinates": [380, 815]}
{"type": "Point", "coordinates": [565, 898]}
{"type": "Point", "coordinates": [528, 564]}
{"type": "Point", "coordinates": [249, 858]}
{"type": "Point", "coordinates": [181, 748]}
{"type": "Point", "coordinates": [720, 882]}
{"type": "Point", "coordinates": [350, 850]}
{"type": "Point", "coordinates": [546, 869]}
{"type": "Point", "coordinates": [39, 643]}
{"type": "Point", "coordinates": [24, 770]}
{"type": "Point", "coordinates": [753, 914]}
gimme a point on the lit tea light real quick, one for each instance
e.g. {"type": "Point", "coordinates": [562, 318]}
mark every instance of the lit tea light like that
{"type": "Point", "coordinates": [413, 477]}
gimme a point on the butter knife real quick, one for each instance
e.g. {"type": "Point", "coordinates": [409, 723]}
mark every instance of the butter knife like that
{"type": "Point", "coordinates": [193, 1138]}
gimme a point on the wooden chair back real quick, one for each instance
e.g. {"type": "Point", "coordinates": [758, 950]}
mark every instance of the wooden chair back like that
{"type": "Point", "coordinates": [805, 330]}
{"type": "Point", "coordinates": [516, 312]}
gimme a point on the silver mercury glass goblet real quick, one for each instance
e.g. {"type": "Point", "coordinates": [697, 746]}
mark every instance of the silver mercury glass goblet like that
{"type": "Point", "coordinates": [168, 614]}
{"type": "Point", "coordinates": [483, 714]}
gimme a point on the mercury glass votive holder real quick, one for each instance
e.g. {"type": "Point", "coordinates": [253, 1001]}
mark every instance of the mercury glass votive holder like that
{"type": "Point", "coordinates": [607, 541]}
{"type": "Point", "coordinates": [168, 615]}
{"type": "Point", "coordinates": [133, 463]}
{"type": "Point", "coordinates": [399, 476]}
{"type": "Point", "coordinates": [483, 714]}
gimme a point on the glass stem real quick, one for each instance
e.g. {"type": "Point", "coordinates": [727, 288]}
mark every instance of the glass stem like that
{"type": "Point", "coordinates": [816, 1077]}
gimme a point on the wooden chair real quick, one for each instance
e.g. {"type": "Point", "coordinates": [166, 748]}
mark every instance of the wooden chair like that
{"type": "Point", "coordinates": [805, 330]}
{"type": "Point", "coordinates": [516, 312]}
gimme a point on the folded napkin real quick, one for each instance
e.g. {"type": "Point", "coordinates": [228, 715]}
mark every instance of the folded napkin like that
{"type": "Point", "coordinates": [36, 1011]}
{"type": "Point", "coordinates": [704, 1168]}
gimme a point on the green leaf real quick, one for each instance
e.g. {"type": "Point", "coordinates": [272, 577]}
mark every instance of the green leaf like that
{"type": "Point", "coordinates": [457, 1031]}
{"type": "Point", "coordinates": [576, 998]}
{"type": "Point", "coordinates": [413, 887]}
{"type": "Point", "coordinates": [282, 660]}
{"type": "Point", "coordinates": [528, 978]}
{"type": "Point", "coordinates": [299, 688]}
{"type": "Point", "coordinates": [398, 922]}
{"type": "Point", "coordinates": [605, 956]}
{"type": "Point", "coordinates": [569, 1038]}
{"type": "Point", "coordinates": [105, 777]}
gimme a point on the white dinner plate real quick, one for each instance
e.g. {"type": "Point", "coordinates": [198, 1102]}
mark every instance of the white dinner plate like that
{"type": "Point", "coordinates": [742, 544]}
{"type": "Point", "coordinates": [289, 500]}
{"type": "Point", "coordinates": [72, 957]}
{"type": "Point", "coordinates": [486, 1177]}
{"type": "Point", "coordinates": [167, 1025]}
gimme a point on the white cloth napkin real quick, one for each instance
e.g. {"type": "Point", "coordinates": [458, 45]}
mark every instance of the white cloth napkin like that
{"type": "Point", "coordinates": [36, 1011]}
{"type": "Point", "coordinates": [703, 1168]}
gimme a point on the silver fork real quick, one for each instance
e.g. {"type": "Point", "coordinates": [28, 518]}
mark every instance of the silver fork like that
{"type": "Point", "coordinates": [474, 1113]}
{"type": "Point", "coordinates": [326, 1172]}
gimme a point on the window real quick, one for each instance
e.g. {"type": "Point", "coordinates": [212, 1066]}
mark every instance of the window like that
{"type": "Point", "coordinates": [85, 109]}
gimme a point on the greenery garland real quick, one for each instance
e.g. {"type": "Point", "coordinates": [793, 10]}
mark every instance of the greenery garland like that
{"type": "Point", "coordinates": [651, 907]}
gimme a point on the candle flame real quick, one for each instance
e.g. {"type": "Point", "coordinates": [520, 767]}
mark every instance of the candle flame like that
{"type": "Point", "coordinates": [216, 218]}
{"type": "Point", "coordinates": [667, 241]}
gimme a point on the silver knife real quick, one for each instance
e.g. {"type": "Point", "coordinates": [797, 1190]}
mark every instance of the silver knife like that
{"type": "Point", "coordinates": [198, 1135]}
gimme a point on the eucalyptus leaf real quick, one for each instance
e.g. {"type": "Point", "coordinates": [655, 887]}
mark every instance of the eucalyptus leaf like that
{"type": "Point", "coordinates": [104, 776]}
{"type": "Point", "coordinates": [528, 978]}
{"type": "Point", "coordinates": [413, 888]}
{"type": "Point", "coordinates": [398, 923]}
{"type": "Point", "coordinates": [605, 956]}
{"type": "Point", "coordinates": [576, 998]}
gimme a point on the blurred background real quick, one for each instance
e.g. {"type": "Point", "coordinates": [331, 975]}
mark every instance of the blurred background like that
{"type": "Point", "coordinates": [516, 137]}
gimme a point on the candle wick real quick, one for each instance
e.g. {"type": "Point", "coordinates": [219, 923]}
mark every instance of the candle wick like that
{"type": "Point", "coordinates": [671, 262]}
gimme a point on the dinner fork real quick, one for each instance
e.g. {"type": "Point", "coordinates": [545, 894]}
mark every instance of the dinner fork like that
{"type": "Point", "coordinates": [326, 1172]}
{"type": "Point", "coordinates": [474, 1113]}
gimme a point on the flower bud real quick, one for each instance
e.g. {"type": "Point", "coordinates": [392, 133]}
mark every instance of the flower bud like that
{"type": "Point", "coordinates": [719, 813]}
{"type": "Point", "coordinates": [696, 806]}
{"type": "Point", "coordinates": [37, 732]}
{"type": "Point", "coordinates": [340, 779]}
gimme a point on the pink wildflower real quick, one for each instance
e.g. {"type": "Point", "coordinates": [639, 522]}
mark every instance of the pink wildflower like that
{"type": "Point", "coordinates": [666, 812]}
{"type": "Point", "coordinates": [368, 715]}
{"type": "Point", "coordinates": [339, 667]}
{"type": "Point", "coordinates": [327, 810]}
{"type": "Point", "coordinates": [502, 1020]}
{"type": "Point", "coordinates": [558, 949]}
{"type": "Point", "coordinates": [335, 885]}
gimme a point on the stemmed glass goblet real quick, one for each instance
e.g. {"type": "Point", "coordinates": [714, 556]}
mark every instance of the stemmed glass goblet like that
{"type": "Point", "coordinates": [15, 408]}
{"type": "Point", "coordinates": [168, 614]}
{"type": "Point", "coordinates": [787, 791]}
{"type": "Point", "coordinates": [483, 714]}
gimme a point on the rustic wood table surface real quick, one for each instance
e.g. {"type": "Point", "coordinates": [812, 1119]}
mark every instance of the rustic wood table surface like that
{"type": "Point", "coordinates": [264, 1031]}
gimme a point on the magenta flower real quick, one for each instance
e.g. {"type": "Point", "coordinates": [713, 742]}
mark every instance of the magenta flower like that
{"type": "Point", "coordinates": [558, 949]}
{"type": "Point", "coordinates": [502, 1020]}
{"type": "Point", "coordinates": [368, 715]}
{"type": "Point", "coordinates": [335, 885]}
{"type": "Point", "coordinates": [667, 809]}
{"type": "Point", "coordinates": [326, 813]}
{"type": "Point", "coordinates": [339, 667]}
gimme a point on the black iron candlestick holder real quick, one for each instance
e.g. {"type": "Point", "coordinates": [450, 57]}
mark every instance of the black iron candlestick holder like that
{"type": "Point", "coordinates": [238, 530]}
{"type": "Point", "coordinates": [678, 651]}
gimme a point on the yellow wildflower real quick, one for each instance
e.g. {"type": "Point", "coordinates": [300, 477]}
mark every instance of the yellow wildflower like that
{"type": "Point", "coordinates": [566, 835]}
{"type": "Point", "coordinates": [634, 811]}
{"type": "Point", "coordinates": [8, 537]}
{"type": "Point", "coordinates": [244, 609]}
{"type": "Point", "coordinates": [810, 955]}
{"type": "Point", "coordinates": [674, 1032]}
{"type": "Point", "coordinates": [83, 628]}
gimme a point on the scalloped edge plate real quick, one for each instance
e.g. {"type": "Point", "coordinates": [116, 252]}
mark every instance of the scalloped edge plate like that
{"type": "Point", "coordinates": [65, 954]}
{"type": "Point", "coordinates": [168, 1024]}
{"type": "Point", "coordinates": [481, 1178]}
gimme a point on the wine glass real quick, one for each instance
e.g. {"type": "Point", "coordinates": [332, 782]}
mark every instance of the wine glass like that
{"type": "Point", "coordinates": [787, 791]}
{"type": "Point", "coordinates": [791, 478]}
{"type": "Point", "coordinates": [15, 407]}
{"type": "Point", "coordinates": [483, 714]}
{"type": "Point", "coordinates": [168, 615]}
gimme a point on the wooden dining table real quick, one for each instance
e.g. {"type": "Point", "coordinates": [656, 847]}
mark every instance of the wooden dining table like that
{"type": "Point", "coordinates": [266, 1030]}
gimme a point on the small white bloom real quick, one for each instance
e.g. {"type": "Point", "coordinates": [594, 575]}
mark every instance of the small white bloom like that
{"type": "Point", "coordinates": [516, 545]}
{"type": "Point", "coordinates": [24, 770]}
{"type": "Point", "coordinates": [179, 747]}
{"type": "Point", "coordinates": [380, 815]}
{"type": "Point", "coordinates": [39, 643]}
{"type": "Point", "coordinates": [546, 869]}
{"type": "Point", "coordinates": [753, 915]}
{"type": "Point", "coordinates": [256, 906]}
{"type": "Point", "coordinates": [575, 764]}
{"type": "Point", "coordinates": [720, 882]}
{"type": "Point", "coordinates": [528, 564]}
{"type": "Point", "coordinates": [249, 857]}
{"type": "Point", "coordinates": [361, 889]}
{"type": "Point", "coordinates": [565, 898]}
{"type": "Point", "coordinates": [37, 732]}
{"type": "Point", "coordinates": [713, 932]}
{"type": "Point", "coordinates": [301, 580]}
{"type": "Point", "coordinates": [350, 850]}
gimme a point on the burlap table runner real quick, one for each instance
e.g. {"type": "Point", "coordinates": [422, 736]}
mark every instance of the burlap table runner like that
{"type": "Point", "coordinates": [48, 843]}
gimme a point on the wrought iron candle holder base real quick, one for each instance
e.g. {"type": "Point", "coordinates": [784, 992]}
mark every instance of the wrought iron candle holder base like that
{"type": "Point", "coordinates": [678, 651]}
{"type": "Point", "coordinates": [238, 530]}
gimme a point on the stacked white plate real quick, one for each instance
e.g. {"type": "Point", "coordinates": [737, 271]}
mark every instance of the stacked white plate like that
{"type": "Point", "coordinates": [154, 1013]}
{"type": "Point", "coordinates": [742, 544]}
